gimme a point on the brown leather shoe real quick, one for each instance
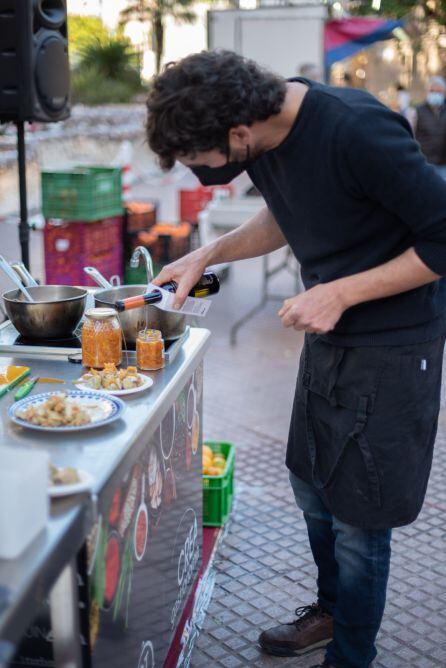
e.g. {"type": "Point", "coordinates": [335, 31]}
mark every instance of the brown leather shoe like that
{"type": "Point", "coordinates": [312, 629]}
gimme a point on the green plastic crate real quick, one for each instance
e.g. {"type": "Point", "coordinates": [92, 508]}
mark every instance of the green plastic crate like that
{"type": "Point", "coordinates": [83, 193]}
{"type": "Point", "coordinates": [135, 276]}
{"type": "Point", "coordinates": [218, 491]}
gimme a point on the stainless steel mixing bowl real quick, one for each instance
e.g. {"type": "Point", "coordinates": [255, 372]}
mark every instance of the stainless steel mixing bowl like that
{"type": "Point", "coordinates": [55, 313]}
{"type": "Point", "coordinates": [171, 325]}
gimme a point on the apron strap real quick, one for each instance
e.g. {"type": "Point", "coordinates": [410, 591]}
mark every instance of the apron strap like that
{"type": "Point", "coordinates": [357, 435]}
{"type": "Point", "coordinates": [370, 465]}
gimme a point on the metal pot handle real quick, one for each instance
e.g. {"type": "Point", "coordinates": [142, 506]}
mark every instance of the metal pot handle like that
{"type": "Point", "coordinates": [98, 277]}
{"type": "Point", "coordinates": [24, 275]}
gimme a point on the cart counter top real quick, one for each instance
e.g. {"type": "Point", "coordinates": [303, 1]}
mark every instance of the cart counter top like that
{"type": "Point", "coordinates": [100, 451]}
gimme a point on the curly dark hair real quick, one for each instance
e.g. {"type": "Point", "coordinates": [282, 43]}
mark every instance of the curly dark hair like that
{"type": "Point", "coordinates": [195, 102]}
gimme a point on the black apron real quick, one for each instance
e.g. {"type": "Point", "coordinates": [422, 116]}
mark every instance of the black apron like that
{"type": "Point", "coordinates": [363, 428]}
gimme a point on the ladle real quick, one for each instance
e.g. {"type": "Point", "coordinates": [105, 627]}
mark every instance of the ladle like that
{"type": "Point", "coordinates": [98, 277]}
{"type": "Point", "coordinates": [24, 275]}
{"type": "Point", "coordinates": [9, 271]}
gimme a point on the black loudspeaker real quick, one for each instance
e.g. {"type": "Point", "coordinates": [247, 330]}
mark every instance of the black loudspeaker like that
{"type": "Point", "coordinates": [34, 69]}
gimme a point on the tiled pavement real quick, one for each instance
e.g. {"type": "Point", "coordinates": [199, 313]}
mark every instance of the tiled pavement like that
{"type": "Point", "coordinates": [264, 567]}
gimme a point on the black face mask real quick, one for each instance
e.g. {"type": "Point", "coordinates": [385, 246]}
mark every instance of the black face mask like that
{"type": "Point", "coordinates": [219, 176]}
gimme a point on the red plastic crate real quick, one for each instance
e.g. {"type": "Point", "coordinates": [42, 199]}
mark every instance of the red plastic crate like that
{"type": "Point", "coordinates": [93, 238]}
{"type": "Point", "coordinates": [70, 246]}
{"type": "Point", "coordinates": [194, 201]}
{"type": "Point", "coordinates": [72, 273]}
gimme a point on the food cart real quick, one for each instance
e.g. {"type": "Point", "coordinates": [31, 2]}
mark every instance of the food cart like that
{"type": "Point", "coordinates": [107, 582]}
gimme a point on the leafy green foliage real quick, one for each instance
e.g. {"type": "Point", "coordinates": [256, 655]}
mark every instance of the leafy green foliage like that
{"type": "Point", "coordinates": [92, 88]}
{"type": "Point", "coordinates": [113, 58]}
{"type": "Point", "coordinates": [106, 73]}
{"type": "Point", "coordinates": [430, 9]}
{"type": "Point", "coordinates": [82, 31]}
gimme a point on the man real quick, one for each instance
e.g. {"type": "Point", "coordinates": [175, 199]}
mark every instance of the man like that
{"type": "Point", "coordinates": [310, 71]}
{"type": "Point", "coordinates": [429, 124]}
{"type": "Point", "coordinates": [403, 98]}
{"type": "Point", "coordinates": [347, 188]}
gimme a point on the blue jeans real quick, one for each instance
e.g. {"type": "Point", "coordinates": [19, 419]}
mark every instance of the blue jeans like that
{"type": "Point", "coordinates": [353, 568]}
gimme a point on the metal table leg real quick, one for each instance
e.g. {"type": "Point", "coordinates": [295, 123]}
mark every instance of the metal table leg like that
{"type": "Point", "coordinates": [267, 273]}
{"type": "Point", "coordinates": [64, 602]}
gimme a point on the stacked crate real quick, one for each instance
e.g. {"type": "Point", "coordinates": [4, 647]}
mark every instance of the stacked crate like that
{"type": "Point", "coordinates": [166, 241]}
{"type": "Point", "coordinates": [139, 217]}
{"type": "Point", "coordinates": [72, 245]}
{"type": "Point", "coordinates": [192, 201]}
{"type": "Point", "coordinates": [84, 224]}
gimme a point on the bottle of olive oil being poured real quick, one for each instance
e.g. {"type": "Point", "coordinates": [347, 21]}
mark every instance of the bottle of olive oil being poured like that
{"type": "Point", "coordinates": [208, 284]}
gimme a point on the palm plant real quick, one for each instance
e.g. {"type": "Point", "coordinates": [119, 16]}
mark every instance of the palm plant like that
{"type": "Point", "coordinates": [154, 13]}
{"type": "Point", "coordinates": [111, 57]}
{"type": "Point", "coordinates": [106, 72]}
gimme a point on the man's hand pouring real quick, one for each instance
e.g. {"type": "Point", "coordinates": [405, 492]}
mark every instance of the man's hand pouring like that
{"type": "Point", "coordinates": [186, 272]}
{"type": "Point", "coordinates": [316, 311]}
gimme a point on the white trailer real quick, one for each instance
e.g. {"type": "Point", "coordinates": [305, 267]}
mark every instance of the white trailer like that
{"type": "Point", "coordinates": [281, 38]}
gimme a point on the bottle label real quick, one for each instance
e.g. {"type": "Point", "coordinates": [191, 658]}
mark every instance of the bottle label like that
{"type": "Point", "coordinates": [192, 306]}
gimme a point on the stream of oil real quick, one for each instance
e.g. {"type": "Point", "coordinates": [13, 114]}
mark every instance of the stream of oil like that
{"type": "Point", "coordinates": [124, 341]}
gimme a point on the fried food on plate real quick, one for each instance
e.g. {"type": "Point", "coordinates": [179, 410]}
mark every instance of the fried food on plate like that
{"type": "Point", "coordinates": [110, 378]}
{"type": "Point", "coordinates": [63, 475]}
{"type": "Point", "coordinates": [56, 411]}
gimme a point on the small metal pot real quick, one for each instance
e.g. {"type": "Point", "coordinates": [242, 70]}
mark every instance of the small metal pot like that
{"type": "Point", "coordinates": [171, 325]}
{"type": "Point", "coordinates": [55, 313]}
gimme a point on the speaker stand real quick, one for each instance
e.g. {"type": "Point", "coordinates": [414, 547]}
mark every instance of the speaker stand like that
{"type": "Point", "coordinates": [23, 225]}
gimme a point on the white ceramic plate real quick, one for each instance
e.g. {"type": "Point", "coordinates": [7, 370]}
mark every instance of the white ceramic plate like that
{"type": "Point", "coordinates": [102, 408]}
{"type": "Point", "coordinates": [146, 383]}
{"type": "Point", "coordinates": [84, 484]}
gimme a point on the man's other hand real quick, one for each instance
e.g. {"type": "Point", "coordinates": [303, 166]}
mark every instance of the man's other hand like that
{"type": "Point", "coordinates": [315, 311]}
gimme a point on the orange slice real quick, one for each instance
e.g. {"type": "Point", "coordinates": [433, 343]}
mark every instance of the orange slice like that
{"type": "Point", "coordinates": [10, 373]}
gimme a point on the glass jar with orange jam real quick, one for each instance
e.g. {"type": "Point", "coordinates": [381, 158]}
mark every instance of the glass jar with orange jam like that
{"type": "Point", "coordinates": [101, 338]}
{"type": "Point", "coordinates": [149, 350]}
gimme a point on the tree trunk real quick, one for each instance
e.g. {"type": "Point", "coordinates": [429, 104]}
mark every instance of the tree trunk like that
{"type": "Point", "coordinates": [158, 40]}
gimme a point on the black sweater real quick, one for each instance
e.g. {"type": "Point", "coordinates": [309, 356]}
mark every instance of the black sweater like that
{"type": "Point", "coordinates": [351, 190]}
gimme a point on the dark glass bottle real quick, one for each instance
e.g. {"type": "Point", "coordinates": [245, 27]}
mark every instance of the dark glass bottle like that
{"type": "Point", "coordinates": [208, 284]}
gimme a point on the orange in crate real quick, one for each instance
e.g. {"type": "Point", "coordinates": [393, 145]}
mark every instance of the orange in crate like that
{"type": "Point", "coordinates": [139, 216]}
{"type": "Point", "coordinates": [166, 241]}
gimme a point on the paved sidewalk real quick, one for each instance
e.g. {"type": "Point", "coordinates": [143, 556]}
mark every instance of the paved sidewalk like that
{"type": "Point", "coordinates": [265, 569]}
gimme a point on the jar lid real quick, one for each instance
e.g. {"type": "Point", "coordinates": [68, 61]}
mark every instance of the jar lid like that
{"type": "Point", "coordinates": [100, 313]}
{"type": "Point", "coordinates": [149, 334]}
